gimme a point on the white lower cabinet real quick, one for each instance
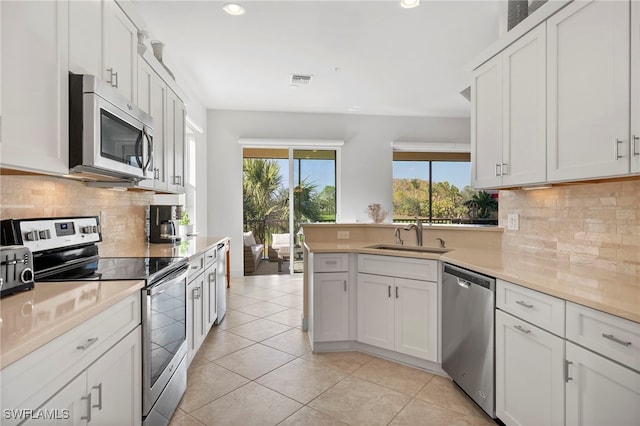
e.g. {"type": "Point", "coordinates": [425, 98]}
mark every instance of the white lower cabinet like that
{"type": "Point", "coordinates": [107, 393]}
{"type": "Point", "coordinates": [195, 315]}
{"type": "Point", "coordinates": [529, 373]}
{"type": "Point", "coordinates": [600, 391]}
{"type": "Point", "coordinates": [398, 314]}
{"type": "Point", "coordinates": [331, 296]}
{"type": "Point", "coordinates": [210, 299]}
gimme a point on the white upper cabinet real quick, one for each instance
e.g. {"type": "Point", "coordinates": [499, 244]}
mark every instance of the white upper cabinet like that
{"type": "Point", "coordinates": [524, 110]}
{"type": "Point", "coordinates": [509, 115]}
{"type": "Point", "coordinates": [175, 135]}
{"type": "Point", "coordinates": [588, 91]}
{"type": "Point", "coordinates": [120, 50]}
{"type": "Point", "coordinates": [85, 37]}
{"type": "Point", "coordinates": [152, 99]}
{"type": "Point", "coordinates": [486, 125]}
{"type": "Point", "coordinates": [635, 87]}
{"type": "Point", "coordinates": [35, 86]}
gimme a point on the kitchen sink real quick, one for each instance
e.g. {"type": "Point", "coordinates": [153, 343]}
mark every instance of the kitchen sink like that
{"type": "Point", "coordinates": [415, 249]}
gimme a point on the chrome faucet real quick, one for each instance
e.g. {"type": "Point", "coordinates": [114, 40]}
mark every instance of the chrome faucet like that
{"type": "Point", "coordinates": [441, 242]}
{"type": "Point", "coordinates": [418, 227]}
{"type": "Point", "coordinates": [397, 235]}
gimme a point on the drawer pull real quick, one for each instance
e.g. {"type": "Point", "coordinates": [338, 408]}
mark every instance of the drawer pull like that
{"type": "Point", "coordinates": [523, 303]}
{"type": "Point", "coordinates": [615, 339]}
{"type": "Point", "coordinates": [344, 283]}
{"type": "Point", "coordinates": [89, 343]}
{"type": "Point", "coordinates": [520, 328]}
{"type": "Point", "coordinates": [389, 290]}
{"type": "Point", "coordinates": [331, 262]}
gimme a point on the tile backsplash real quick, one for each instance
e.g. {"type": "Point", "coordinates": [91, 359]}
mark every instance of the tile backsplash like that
{"type": "Point", "coordinates": [122, 214]}
{"type": "Point", "coordinates": [595, 224]}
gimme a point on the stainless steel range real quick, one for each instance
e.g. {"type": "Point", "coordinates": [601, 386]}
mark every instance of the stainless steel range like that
{"type": "Point", "coordinates": [65, 249]}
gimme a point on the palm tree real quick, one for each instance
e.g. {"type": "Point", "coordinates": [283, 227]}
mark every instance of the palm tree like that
{"type": "Point", "coordinates": [259, 188]}
{"type": "Point", "coordinates": [483, 203]}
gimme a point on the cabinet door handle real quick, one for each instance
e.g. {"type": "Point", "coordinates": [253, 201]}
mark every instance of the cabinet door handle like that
{"type": "Point", "coordinates": [520, 328]}
{"type": "Point", "coordinates": [389, 291]}
{"type": "Point", "coordinates": [498, 169]}
{"type": "Point", "coordinates": [615, 339]}
{"type": "Point", "coordinates": [523, 303]}
{"type": "Point", "coordinates": [617, 149]}
{"type": "Point", "coordinates": [344, 284]}
{"type": "Point", "coordinates": [566, 371]}
{"type": "Point", "coordinates": [397, 293]}
{"type": "Point", "coordinates": [110, 71]}
{"type": "Point", "coordinates": [196, 293]}
{"type": "Point", "coordinates": [115, 78]}
{"type": "Point", "coordinates": [99, 404]}
{"type": "Point", "coordinates": [88, 416]}
{"type": "Point", "coordinates": [636, 152]}
{"type": "Point", "coordinates": [505, 169]}
{"type": "Point", "coordinates": [90, 342]}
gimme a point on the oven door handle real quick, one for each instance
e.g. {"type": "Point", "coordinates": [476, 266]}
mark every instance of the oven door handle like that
{"type": "Point", "coordinates": [173, 279]}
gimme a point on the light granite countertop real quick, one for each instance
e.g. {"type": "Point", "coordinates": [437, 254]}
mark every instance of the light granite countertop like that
{"type": "Point", "coordinates": [185, 248]}
{"type": "Point", "coordinates": [33, 318]}
{"type": "Point", "coordinates": [608, 291]}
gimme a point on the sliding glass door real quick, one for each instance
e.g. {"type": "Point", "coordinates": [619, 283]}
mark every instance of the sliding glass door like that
{"type": "Point", "coordinates": [282, 189]}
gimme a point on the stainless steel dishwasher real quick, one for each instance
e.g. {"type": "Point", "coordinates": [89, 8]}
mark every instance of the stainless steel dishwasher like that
{"type": "Point", "coordinates": [468, 304]}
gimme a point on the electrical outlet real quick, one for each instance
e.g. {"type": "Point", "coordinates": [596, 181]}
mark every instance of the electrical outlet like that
{"type": "Point", "coordinates": [343, 235]}
{"type": "Point", "coordinates": [513, 222]}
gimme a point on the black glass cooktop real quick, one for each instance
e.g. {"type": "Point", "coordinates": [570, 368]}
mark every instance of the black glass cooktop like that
{"type": "Point", "coordinates": [116, 268]}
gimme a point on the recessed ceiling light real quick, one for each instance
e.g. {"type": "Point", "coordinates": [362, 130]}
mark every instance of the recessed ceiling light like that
{"type": "Point", "coordinates": [233, 9]}
{"type": "Point", "coordinates": [409, 4]}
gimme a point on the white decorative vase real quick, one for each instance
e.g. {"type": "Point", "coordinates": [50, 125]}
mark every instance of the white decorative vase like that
{"type": "Point", "coordinates": [142, 36]}
{"type": "Point", "coordinates": [158, 47]}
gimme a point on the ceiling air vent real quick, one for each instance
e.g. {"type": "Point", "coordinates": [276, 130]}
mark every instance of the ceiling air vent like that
{"type": "Point", "coordinates": [300, 79]}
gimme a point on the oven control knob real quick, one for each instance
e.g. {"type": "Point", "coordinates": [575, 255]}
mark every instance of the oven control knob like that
{"type": "Point", "coordinates": [32, 236]}
{"type": "Point", "coordinates": [45, 234]}
{"type": "Point", "coordinates": [86, 229]}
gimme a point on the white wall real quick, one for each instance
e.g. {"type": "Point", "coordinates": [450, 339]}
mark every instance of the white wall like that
{"type": "Point", "coordinates": [366, 158]}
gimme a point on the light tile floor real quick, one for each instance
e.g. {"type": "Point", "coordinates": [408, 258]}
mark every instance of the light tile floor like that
{"type": "Point", "coordinates": [257, 368]}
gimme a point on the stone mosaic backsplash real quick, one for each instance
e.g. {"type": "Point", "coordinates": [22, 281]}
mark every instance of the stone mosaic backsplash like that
{"type": "Point", "coordinates": [595, 224]}
{"type": "Point", "coordinates": [122, 214]}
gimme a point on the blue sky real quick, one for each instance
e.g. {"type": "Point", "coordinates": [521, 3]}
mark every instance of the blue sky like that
{"type": "Point", "coordinates": [321, 174]}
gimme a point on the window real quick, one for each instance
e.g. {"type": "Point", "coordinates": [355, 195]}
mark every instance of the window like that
{"type": "Point", "coordinates": [436, 187]}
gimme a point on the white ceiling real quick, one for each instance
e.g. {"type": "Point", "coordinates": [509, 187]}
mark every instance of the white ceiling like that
{"type": "Point", "coordinates": [371, 54]}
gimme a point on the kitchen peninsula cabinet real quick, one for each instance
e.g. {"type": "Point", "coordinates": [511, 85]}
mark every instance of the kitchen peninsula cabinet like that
{"type": "Point", "coordinates": [396, 311]}
{"type": "Point", "coordinates": [331, 292]}
{"type": "Point", "coordinates": [35, 133]}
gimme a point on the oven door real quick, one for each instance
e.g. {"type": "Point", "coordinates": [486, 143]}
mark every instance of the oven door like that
{"type": "Point", "coordinates": [115, 140]}
{"type": "Point", "coordinates": [164, 333]}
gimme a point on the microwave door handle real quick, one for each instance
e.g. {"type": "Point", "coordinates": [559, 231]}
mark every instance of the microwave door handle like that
{"type": "Point", "coordinates": [149, 148]}
{"type": "Point", "coordinates": [138, 150]}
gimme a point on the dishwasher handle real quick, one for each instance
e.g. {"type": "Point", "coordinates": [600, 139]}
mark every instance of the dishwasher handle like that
{"type": "Point", "coordinates": [462, 283]}
{"type": "Point", "coordinates": [465, 278]}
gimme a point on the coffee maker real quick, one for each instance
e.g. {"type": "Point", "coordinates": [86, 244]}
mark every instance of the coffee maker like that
{"type": "Point", "coordinates": [163, 223]}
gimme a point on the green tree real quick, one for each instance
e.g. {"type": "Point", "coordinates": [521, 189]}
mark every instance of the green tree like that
{"type": "Point", "coordinates": [260, 186]}
{"type": "Point", "coordinates": [326, 200]}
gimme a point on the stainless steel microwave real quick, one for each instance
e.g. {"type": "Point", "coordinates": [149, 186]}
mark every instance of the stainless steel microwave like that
{"type": "Point", "coordinates": [110, 139]}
